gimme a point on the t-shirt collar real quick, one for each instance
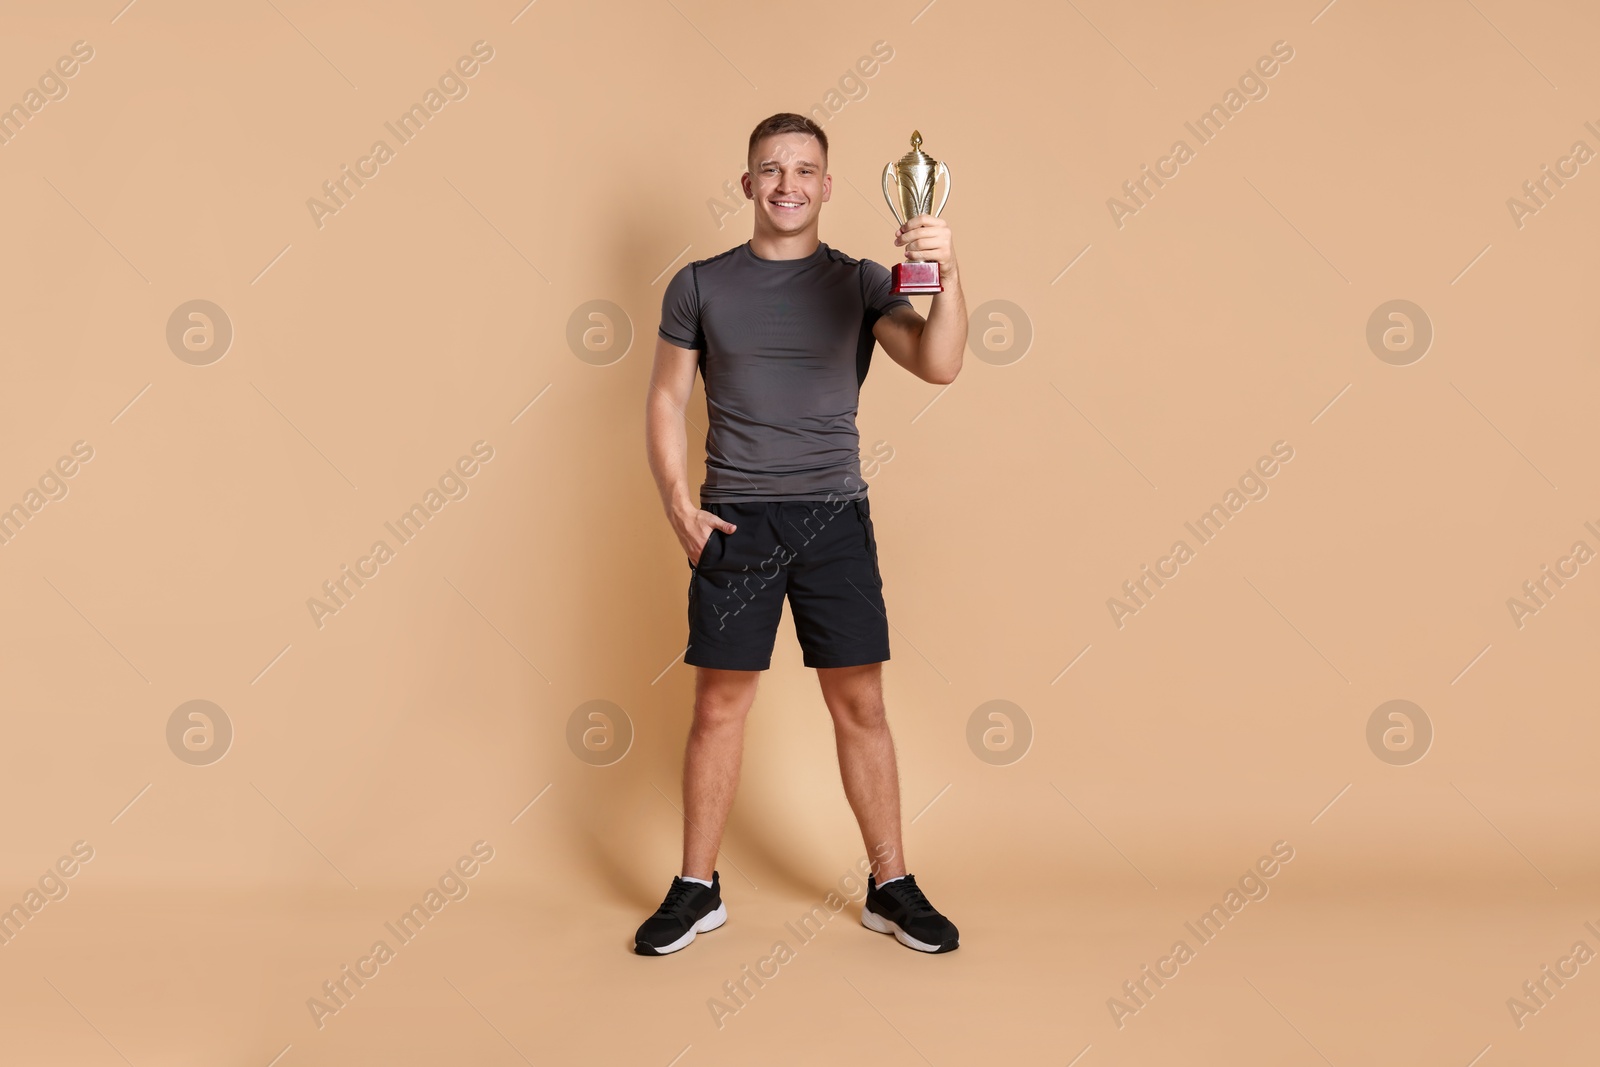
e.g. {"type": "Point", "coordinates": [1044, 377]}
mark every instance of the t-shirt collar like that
{"type": "Point", "coordinates": [805, 261]}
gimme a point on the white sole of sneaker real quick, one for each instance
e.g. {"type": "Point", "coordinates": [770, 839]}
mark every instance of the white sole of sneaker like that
{"type": "Point", "coordinates": [712, 920]}
{"type": "Point", "coordinates": [873, 921]}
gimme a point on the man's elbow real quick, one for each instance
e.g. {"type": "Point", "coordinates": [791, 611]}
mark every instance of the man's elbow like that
{"type": "Point", "coordinates": [943, 375]}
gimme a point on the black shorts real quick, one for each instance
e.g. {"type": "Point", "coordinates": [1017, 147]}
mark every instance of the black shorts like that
{"type": "Point", "coordinates": [820, 554]}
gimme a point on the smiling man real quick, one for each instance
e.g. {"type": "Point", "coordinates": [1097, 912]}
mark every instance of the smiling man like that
{"type": "Point", "coordinates": [782, 330]}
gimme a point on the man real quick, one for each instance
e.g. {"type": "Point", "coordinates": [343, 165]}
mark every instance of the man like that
{"type": "Point", "coordinates": [781, 328]}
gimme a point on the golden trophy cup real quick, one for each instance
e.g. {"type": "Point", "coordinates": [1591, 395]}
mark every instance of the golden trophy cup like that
{"type": "Point", "coordinates": [908, 186]}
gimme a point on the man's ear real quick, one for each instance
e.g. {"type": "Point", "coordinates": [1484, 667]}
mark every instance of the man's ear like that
{"type": "Point", "coordinates": [827, 188]}
{"type": "Point", "coordinates": [747, 184]}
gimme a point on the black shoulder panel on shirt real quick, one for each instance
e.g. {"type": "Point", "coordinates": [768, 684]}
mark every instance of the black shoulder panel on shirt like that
{"type": "Point", "coordinates": [839, 257]}
{"type": "Point", "coordinates": [866, 341]}
{"type": "Point", "coordinates": [720, 255]}
{"type": "Point", "coordinates": [694, 272]}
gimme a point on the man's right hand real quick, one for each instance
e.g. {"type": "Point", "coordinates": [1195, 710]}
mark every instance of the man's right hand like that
{"type": "Point", "coordinates": [693, 526]}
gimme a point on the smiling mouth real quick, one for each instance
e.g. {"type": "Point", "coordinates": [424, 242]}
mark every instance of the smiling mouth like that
{"type": "Point", "coordinates": [787, 205]}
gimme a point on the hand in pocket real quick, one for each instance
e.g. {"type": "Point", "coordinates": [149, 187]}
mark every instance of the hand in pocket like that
{"type": "Point", "coordinates": [696, 533]}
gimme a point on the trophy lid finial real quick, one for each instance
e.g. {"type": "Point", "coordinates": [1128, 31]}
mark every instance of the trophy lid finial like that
{"type": "Point", "coordinates": [916, 139]}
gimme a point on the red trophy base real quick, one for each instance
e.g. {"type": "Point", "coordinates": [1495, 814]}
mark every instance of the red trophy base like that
{"type": "Point", "coordinates": [912, 277]}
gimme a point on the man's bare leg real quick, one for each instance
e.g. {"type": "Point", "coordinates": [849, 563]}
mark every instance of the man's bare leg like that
{"type": "Point", "coordinates": [854, 696]}
{"type": "Point", "coordinates": [711, 760]}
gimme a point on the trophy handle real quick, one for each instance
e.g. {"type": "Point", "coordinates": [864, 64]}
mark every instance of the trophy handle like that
{"type": "Point", "coordinates": [890, 178]}
{"type": "Point", "coordinates": [945, 170]}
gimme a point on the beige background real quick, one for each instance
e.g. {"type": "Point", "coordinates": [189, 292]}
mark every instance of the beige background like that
{"type": "Point", "coordinates": [432, 310]}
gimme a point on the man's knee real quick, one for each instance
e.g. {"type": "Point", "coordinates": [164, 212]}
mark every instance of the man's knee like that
{"type": "Point", "coordinates": [858, 711]}
{"type": "Point", "coordinates": [715, 715]}
{"type": "Point", "coordinates": [723, 698]}
{"type": "Point", "coordinates": [854, 695]}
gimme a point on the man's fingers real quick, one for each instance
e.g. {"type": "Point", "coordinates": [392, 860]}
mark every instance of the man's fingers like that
{"type": "Point", "coordinates": [725, 526]}
{"type": "Point", "coordinates": [922, 233]}
{"type": "Point", "coordinates": [926, 248]}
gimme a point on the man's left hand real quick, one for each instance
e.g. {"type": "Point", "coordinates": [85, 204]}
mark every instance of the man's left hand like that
{"type": "Point", "coordinates": [927, 239]}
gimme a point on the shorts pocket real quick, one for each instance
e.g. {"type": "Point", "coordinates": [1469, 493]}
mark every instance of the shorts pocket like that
{"type": "Point", "coordinates": [706, 550]}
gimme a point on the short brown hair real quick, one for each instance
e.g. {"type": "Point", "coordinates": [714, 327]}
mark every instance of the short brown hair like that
{"type": "Point", "coordinates": [786, 122]}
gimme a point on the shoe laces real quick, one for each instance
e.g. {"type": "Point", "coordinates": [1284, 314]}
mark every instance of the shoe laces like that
{"type": "Point", "coordinates": [676, 895]}
{"type": "Point", "coordinates": [910, 896]}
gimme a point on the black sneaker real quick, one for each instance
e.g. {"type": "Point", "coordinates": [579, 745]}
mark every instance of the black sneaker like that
{"type": "Point", "coordinates": [690, 908]}
{"type": "Point", "coordinates": [899, 908]}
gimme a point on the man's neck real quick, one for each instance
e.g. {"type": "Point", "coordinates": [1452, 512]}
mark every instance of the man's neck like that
{"type": "Point", "coordinates": [784, 245]}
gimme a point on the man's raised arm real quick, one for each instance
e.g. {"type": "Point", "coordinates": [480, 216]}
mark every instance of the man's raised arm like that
{"type": "Point", "coordinates": [930, 348]}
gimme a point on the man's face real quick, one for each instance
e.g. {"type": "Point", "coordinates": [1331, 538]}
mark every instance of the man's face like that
{"type": "Point", "coordinates": [787, 182]}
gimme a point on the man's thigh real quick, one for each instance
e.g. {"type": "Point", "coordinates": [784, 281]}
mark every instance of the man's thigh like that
{"type": "Point", "coordinates": [736, 591]}
{"type": "Point", "coordinates": [835, 588]}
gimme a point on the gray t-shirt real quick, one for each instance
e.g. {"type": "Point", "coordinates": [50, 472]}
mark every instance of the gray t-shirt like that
{"type": "Point", "coordinates": [784, 347]}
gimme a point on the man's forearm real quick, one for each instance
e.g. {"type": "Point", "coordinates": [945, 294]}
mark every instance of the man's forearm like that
{"type": "Point", "coordinates": [944, 337]}
{"type": "Point", "coordinates": [667, 445]}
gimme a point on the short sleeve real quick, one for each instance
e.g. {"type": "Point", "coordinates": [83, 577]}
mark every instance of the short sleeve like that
{"type": "Point", "coordinates": [680, 312]}
{"type": "Point", "coordinates": [876, 282]}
